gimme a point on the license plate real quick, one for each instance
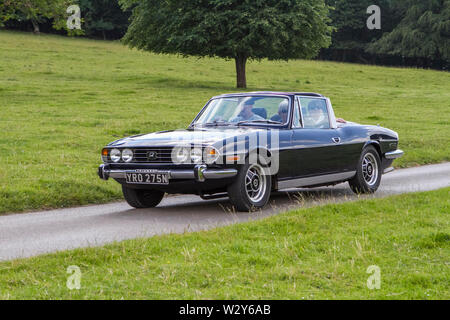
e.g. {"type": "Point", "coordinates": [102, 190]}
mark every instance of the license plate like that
{"type": "Point", "coordinates": [147, 177]}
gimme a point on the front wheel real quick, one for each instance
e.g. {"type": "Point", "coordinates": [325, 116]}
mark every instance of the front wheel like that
{"type": "Point", "coordinates": [368, 172]}
{"type": "Point", "coordinates": [251, 189]}
{"type": "Point", "coordinates": [140, 198]}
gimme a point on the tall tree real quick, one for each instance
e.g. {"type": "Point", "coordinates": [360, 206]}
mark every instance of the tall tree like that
{"type": "Point", "coordinates": [103, 18]}
{"type": "Point", "coordinates": [35, 11]}
{"type": "Point", "coordinates": [424, 32]}
{"type": "Point", "coordinates": [231, 29]}
{"type": "Point", "coordinates": [349, 19]}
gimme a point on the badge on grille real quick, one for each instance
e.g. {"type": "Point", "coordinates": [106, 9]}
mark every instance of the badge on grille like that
{"type": "Point", "coordinates": [152, 155]}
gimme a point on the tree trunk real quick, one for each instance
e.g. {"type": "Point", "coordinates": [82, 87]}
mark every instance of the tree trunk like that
{"type": "Point", "coordinates": [35, 27]}
{"type": "Point", "coordinates": [241, 61]}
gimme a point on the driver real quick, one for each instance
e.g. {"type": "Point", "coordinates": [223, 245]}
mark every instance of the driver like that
{"type": "Point", "coordinates": [247, 113]}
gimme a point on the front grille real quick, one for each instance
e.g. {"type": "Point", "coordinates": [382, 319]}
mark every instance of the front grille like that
{"type": "Point", "coordinates": [153, 155]}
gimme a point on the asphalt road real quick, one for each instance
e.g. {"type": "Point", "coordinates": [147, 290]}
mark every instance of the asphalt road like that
{"type": "Point", "coordinates": [29, 234]}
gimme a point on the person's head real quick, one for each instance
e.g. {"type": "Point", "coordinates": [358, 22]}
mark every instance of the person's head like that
{"type": "Point", "coordinates": [283, 109]}
{"type": "Point", "coordinates": [247, 108]}
{"type": "Point", "coordinates": [315, 110]}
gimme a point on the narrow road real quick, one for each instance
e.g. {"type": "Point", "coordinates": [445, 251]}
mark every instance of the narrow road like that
{"type": "Point", "coordinates": [29, 234]}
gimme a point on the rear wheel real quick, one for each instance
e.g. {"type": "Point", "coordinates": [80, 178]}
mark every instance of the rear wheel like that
{"type": "Point", "coordinates": [140, 198]}
{"type": "Point", "coordinates": [251, 189]}
{"type": "Point", "coordinates": [368, 172]}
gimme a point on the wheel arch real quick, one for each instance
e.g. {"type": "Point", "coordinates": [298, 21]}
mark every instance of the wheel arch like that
{"type": "Point", "coordinates": [376, 145]}
{"type": "Point", "coordinates": [265, 151]}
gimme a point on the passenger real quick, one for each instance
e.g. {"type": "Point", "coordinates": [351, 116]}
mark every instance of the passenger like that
{"type": "Point", "coordinates": [283, 109]}
{"type": "Point", "coordinates": [317, 115]}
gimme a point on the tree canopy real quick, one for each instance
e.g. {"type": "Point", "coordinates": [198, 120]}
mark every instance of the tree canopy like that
{"type": "Point", "coordinates": [103, 18]}
{"type": "Point", "coordinates": [232, 29]}
{"type": "Point", "coordinates": [35, 11]}
{"type": "Point", "coordinates": [349, 18]}
{"type": "Point", "coordinates": [424, 32]}
{"type": "Point", "coordinates": [413, 32]}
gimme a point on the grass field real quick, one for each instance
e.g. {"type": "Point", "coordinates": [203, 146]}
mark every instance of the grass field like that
{"type": "Point", "coordinates": [316, 253]}
{"type": "Point", "coordinates": [63, 99]}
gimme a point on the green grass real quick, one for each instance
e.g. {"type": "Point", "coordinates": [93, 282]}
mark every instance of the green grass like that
{"type": "Point", "coordinates": [63, 99]}
{"type": "Point", "coordinates": [316, 253]}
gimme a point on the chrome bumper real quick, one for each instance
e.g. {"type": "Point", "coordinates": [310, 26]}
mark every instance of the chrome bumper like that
{"type": "Point", "coordinates": [394, 154]}
{"type": "Point", "coordinates": [200, 173]}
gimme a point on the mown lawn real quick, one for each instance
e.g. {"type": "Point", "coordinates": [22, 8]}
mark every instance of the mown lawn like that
{"type": "Point", "coordinates": [315, 253]}
{"type": "Point", "coordinates": [62, 99]}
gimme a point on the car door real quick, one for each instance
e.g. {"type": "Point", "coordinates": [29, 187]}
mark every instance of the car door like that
{"type": "Point", "coordinates": [316, 146]}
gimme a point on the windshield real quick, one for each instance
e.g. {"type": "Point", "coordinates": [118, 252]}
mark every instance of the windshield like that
{"type": "Point", "coordinates": [245, 109]}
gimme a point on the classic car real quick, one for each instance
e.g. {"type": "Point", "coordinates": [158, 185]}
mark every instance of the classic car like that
{"type": "Point", "coordinates": [245, 146]}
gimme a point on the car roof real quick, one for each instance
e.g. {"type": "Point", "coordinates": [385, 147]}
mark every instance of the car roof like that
{"type": "Point", "coordinates": [270, 93]}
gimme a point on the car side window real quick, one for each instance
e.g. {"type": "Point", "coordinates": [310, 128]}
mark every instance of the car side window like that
{"type": "Point", "coordinates": [296, 123]}
{"type": "Point", "coordinates": [315, 113]}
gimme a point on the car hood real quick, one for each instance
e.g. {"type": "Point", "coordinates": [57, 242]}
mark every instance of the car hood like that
{"type": "Point", "coordinates": [202, 136]}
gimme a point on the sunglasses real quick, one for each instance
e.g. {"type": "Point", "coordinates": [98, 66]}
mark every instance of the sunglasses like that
{"type": "Point", "coordinates": [284, 111]}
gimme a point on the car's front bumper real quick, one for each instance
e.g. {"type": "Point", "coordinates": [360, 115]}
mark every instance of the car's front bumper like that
{"type": "Point", "coordinates": [394, 154]}
{"type": "Point", "coordinates": [200, 173]}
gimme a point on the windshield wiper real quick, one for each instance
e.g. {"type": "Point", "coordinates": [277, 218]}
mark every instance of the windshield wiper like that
{"type": "Point", "coordinates": [259, 121]}
{"type": "Point", "coordinates": [214, 123]}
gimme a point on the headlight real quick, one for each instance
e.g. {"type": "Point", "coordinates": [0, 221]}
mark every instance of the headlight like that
{"type": "Point", "coordinates": [196, 155]}
{"type": "Point", "coordinates": [127, 155]}
{"type": "Point", "coordinates": [180, 155]}
{"type": "Point", "coordinates": [115, 155]}
{"type": "Point", "coordinates": [211, 155]}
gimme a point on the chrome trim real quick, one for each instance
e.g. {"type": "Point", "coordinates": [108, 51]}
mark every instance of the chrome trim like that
{"type": "Point", "coordinates": [199, 173]}
{"type": "Point", "coordinates": [101, 172]}
{"type": "Point", "coordinates": [299, 107]}
{"type": "Point", "coordinates": [394, 154]}
{"type": "Point", "coordinates": [202, 173]}
{"type": "Point", "coordinates": [331, 115]}
{"type": "Point", "coordinates": [311, 181]}
{"type": "Point", "coordinates": [181, 174]}
{"type": "Point", "coordinates": [387, 170]}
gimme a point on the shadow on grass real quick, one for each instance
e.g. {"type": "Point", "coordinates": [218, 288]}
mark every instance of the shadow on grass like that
{"type": "Point", "coordinates": [179, 83]}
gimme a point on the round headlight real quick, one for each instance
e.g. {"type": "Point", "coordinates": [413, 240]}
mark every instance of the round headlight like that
{"type": "Point", "coordinates": [180, 155]}
{"type": "Point", "coordinates": [127, 155]}
{"type": "Point", "coordinates": [211, 155]}
{"type": "Point", "coordinates": [196, 155]}
{"type": "Point", "coordinates": [115, 155]}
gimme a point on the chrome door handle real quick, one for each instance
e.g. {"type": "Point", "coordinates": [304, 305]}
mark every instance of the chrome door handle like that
{"type": "Point", "coordinates": [336, 139]}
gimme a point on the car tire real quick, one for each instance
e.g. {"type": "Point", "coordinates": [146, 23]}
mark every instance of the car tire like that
{"type": "Point", "coordinates": [368, 172]}
{"type": "Point", "coordinates": [141, 198]}
{"type": "Point", "coordinates": [251, 188]}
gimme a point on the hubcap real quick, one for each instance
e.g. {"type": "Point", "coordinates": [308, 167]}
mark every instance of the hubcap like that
{"type": "Point", "coordinates": [255, 183]}
{"type": "Point", "coordinates": [370, 169]}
